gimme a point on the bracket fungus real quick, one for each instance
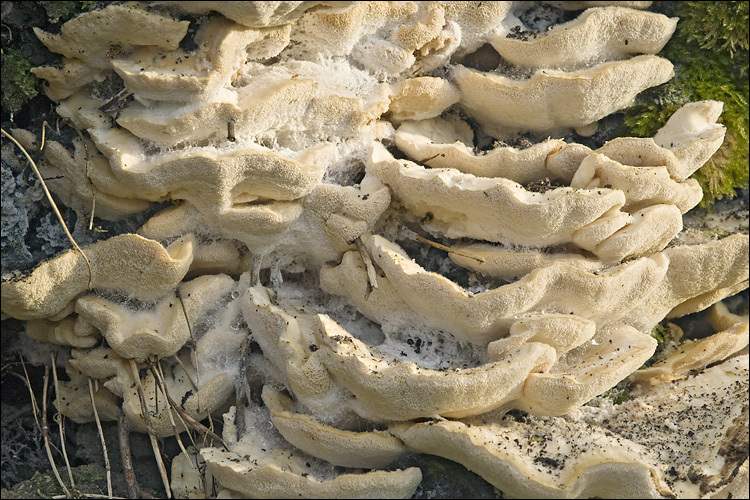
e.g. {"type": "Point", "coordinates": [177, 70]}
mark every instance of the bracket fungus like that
{"type": "Point", "coordinates": [553, 99]}
{"type": "Point", "coordinates": [259, 468]}
{"type": "Point", "coordinates": [599, 34]}
{"type": "Point", "coordinates": [369, 450]}
{"type": "Point", "coordinates": [313, 154]}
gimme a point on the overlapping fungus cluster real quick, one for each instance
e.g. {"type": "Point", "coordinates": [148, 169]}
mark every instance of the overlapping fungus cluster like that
{"type": "Point", "coordinates": [312, 152]}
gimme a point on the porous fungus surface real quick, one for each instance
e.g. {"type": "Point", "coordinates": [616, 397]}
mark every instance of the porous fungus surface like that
{"type": "Point", "coordinates": [313, 153]}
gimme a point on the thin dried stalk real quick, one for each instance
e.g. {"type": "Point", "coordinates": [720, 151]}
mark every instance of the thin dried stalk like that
{"type": "Point", "coordinates": [52, 202]}
{"type": "Point", "coordinates": [87, 159]}
{"type": "Point", "coordinates": [194, 342]}
{"type": "Point", "coordinates": [93, 209]}
{"type": "Point", "coordinates": [371, 274]}
{"type": "Point", "coordinates": [192, 382]}
{"type": "Point", "coordinates": [242, 390]}
{"type": "Point", "coordinates": [255, 263]}
{"type": "Point", "coordinates": [43, 426]}
{"type": "Point", "coordinates": [211, 428]}
{"type": "Point", "coordinates": [188, 419]}
{"type": "Point", "coordinates": [457, 251]}
{"type": "Point", "coordinates": [206, 435]}
{"type": "Point", "coordinates": [194, 357]}
{"type": "Point", "coordinates": [46, 126]}
{"type": "Point", "coordinates": [89, 495]}
{"type": "Point", "coordinates": [31, 394]}
{"type": "Point", "coordinates": [45, 433]}
{"type": "Point", "coordinates": [150, 429]}
{"type": "Point", "coordinates": [414, 236]}
{"type": "Point", "coordinates": [101, 437]}
{"type": "Point", "coordinates": [198, 426]}
{"type": "Point", "coordinates": [59, 419]}
{"type": "Point", "coordinates": [159, 376]}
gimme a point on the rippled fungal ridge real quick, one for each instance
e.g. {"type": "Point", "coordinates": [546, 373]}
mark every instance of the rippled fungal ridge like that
{"type": "Point", "coordinates": [384, 238]}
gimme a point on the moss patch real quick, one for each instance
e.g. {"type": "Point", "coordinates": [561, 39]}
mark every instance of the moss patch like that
{"type": "Point", "coordinates": [64, 10]}
{"type": "Point", "coordinates": [89, 479]}
{"type": "Point", "coordinates": [19, 84]}
{"type": "Point", "coordinates": [710, 52]}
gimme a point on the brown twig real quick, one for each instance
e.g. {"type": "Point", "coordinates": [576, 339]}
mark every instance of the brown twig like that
{"type": "Point", "coordinates": [52, 202]}
{"type": "Point", "coordinates": [34, 406]}
{"type": "Point", "coordinates": [123, 434]}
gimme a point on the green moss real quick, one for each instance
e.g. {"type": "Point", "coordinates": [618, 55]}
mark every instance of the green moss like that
{"type": "Point", "coordinates": [661, 334]}
{"type": "Point", "coordinates": [618, 395]}
{"type": "Point", "coordinates": [89, 479]}
{"type": "Point", "coordinates": [710, 52]}
{"type": "Point", "coordinates": [664, 333]}
{"type": "Point", "coordinates": [718, 233]}
{"type": "Point", "coordinates": [64, 10]}
{"type": "Point", "coordinates": [87, 476]}
{"type": "Point", "coordinates": [702, 20]}
{"type": "Point", "coordinates": [44, 485]}
{"type": "Point", "coordinates": [19, 84]}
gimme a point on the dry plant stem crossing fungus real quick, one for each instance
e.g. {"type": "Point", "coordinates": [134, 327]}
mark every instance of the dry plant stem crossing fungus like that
{"type": "Point", "coordinates": [357, 266]}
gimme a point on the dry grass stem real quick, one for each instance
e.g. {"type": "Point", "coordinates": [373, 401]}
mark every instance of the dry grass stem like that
{"type": "Point", "coordinates": [34, 406]}
{"type": "Point", "coordinates": [101, 437]}
{"type": "Point", "coordinates": [371, 274]}
{"type": "Point", "coordinates": [192, 382]}
{"type": "Point", "coordinates": [194, 343]}
{"type": "Point", "coordinates": [242, 390]}
{"type": "Point", "coordinates": [59, 418]}
{"type": "Point", "coordinates": [43, 426]}
{"type": "Point", "coordinates": [45, 433]}
{"type": "Point", "coordinates": [159, 377]}
{"type": "Point", "coordinates": [211, 428]}
{"type": "Point", "coordinates": [449, 249]}
{"type": "Point", "coordinates": [199, 426]}
{"type": "Point", "coordinates": [87, 159]}
{"type": "Point", "coordinates": [150, 429]}
{"type": "Point", "coordinates": [52, 202]}
{"type": "Point", "coordinates": [46, 126]}
{"type": "Point", "coordinates": [192, 422]}
{"type": "Point", "coordinates": [88, 495]}
{"type": "Point", "coordinates": [255, 264]}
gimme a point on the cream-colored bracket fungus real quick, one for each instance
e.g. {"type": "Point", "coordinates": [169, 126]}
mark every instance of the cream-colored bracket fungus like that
{"type": "Point", "coordinates": [552, 99]}
{"type": "Point", "coordinates": [129, 264]}
{"type": "Point", "coordinates": [364, 230]}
